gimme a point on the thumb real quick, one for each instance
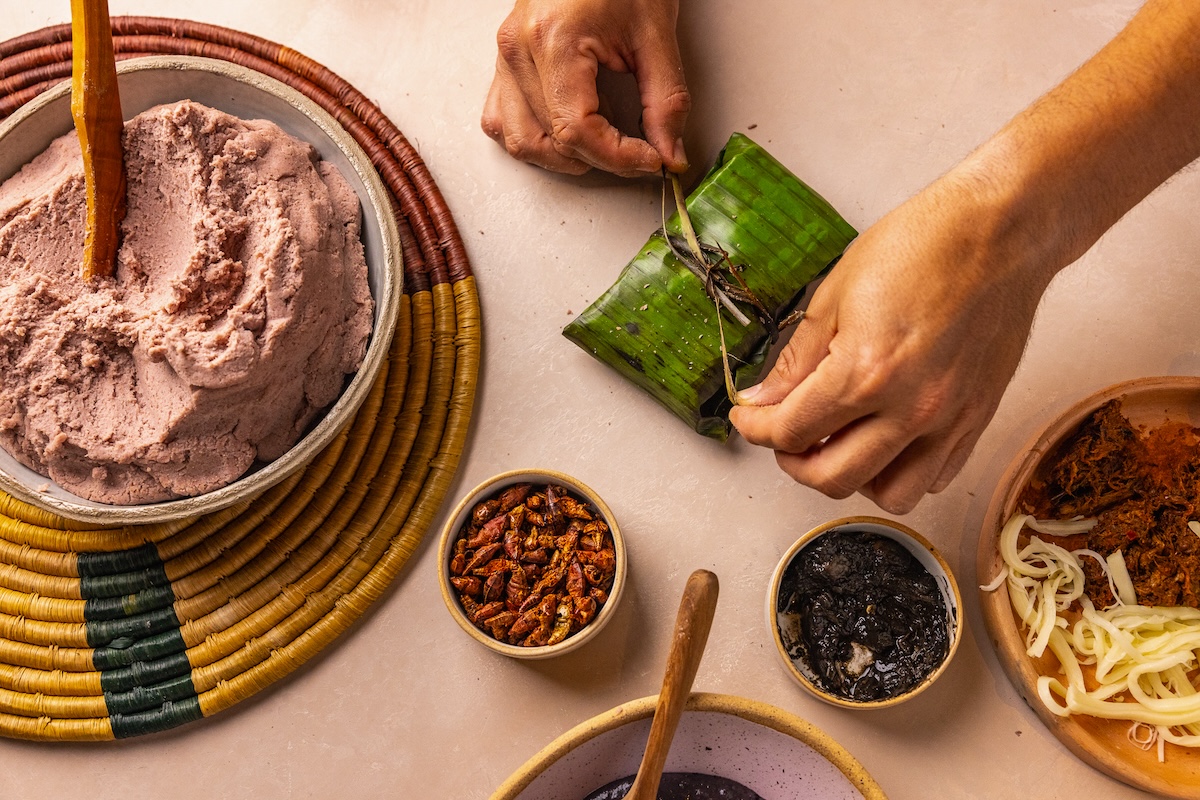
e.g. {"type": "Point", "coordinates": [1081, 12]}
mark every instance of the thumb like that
{"type": "Point", "coordinates": [798, 358]}
{"type": "Point", "coordinates": [665, 100]}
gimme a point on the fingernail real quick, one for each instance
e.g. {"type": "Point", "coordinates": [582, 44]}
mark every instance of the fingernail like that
{"type": "Point", "coordinates": [746, 396]}
{"type": "Point", "coordinates": [680, 155]}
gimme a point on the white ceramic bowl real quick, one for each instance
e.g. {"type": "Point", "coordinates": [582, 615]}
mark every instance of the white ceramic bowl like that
{"type": "Point", "coordinates": [766, 749]}
{"type": "Point", "coordinates": [491, 488]}
{"type": "Point", "coordinates": [929, 558]}
{"type": "Point", "coordinates": [151, 81]}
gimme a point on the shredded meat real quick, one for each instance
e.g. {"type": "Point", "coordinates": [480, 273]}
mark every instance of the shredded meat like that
{"type": "Point", "coordinates": [1143, 486]}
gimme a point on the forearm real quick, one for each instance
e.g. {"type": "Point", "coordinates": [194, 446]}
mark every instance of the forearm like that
{"type": "Point", "coordinates": [1067, 168]}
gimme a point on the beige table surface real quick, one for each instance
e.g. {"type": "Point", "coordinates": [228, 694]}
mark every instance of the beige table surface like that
{"type": "Point", "coordinates": [867, 100]}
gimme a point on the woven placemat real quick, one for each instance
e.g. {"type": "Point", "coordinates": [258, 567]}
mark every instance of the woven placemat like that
{"type": "Point", "coordinates": [111, 633]}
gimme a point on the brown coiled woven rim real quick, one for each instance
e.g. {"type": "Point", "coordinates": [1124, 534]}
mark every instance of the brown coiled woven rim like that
{"type": "Point", "coordinates": [110, 633]}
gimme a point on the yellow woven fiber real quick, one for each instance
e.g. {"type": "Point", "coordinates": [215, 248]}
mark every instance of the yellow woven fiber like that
{"type": "Point", "coordinates": [106, 540]}
{"type": "Point", "coordinates": [20, 511]}
{"type": "Point", "coordinates": [43, 562]}
{"type": "Point", "coordinates": [203, 542]}
{"type": "Point", "coordinates": [232, 522]}
{"type": "Point", "coordinates": [35, 681]}
{"type": "Point", "coordinates": [45, 729]}
{"type": "Point", "coordinates": [46, 705]}
{"type": "Point", "coordinates": [66, 659]}
{"type": "Point", "coordinates": [23, 580]}
{"type": "Point", "coordinates": [31, 604]}
{"type": "Point", "coordinates": [47, 634]}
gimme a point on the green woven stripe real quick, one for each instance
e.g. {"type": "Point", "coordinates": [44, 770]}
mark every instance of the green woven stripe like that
{"type": "Point", "coordinates": [126, 632]}
{"type": "Point", "coordinates": [143, 674]}
{"type": "Point", "coordinates": [146, 699]}
{"type": "Point", "coordinates": [110, 608]}
{"type": "Point", "coordinates": [125, 607]}
{"type": "Point", "coordinates": [149, 649]}
{"type": "Point", "coordinates": [100, 564]}
{"type": "Point", "coordinates": [138, 647]}
{"type": "Point", "coordinates": [124, 583]}
{"type": "Point", "coordinates": [170, 715]}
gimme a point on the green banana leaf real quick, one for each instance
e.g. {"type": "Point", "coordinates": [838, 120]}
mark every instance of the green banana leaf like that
{"type": "Point", "coordinates": [657, 325]}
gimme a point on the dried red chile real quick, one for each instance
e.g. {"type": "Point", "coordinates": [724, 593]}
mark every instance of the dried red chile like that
{"type": "Point", "coordinates": [861, 617]}
{"type": "Point", "coordinates": [533, 565]}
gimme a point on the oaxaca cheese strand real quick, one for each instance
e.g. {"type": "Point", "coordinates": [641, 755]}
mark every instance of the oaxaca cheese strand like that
{"type": "Point", "coordinates": [1141, 656]}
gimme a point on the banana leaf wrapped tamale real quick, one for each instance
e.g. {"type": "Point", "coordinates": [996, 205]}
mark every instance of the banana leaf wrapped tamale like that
{"type": "Point", "coordinates": [657, 325]}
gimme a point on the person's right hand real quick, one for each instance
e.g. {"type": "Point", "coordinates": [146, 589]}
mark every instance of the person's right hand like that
{"type": "Point", "coordinates": [906, 349]}
{"type": "Point", "coordinates": [543, 105]}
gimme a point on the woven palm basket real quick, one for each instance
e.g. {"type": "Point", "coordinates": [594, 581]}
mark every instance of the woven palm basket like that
{"type": "Point", "coordinates": [119, 632]}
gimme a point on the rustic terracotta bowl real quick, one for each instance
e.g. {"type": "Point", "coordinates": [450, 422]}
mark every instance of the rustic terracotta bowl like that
{"type": "Point", "coordinates": [764, 748]}
{"type": "Point", "coordinates": [151, 81]}
{"type": "Point", "coordinates": [1104, 744]}
{"type": "Point", "coordinates": [929, 558]}
{"type": "Point", "coordinates": [459, 517]}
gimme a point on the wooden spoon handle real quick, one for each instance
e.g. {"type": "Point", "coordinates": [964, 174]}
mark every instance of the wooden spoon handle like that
{"type": "Point", "coordinates": [692, 624]}
{"type": "Point", "coordinates": [96, 109]}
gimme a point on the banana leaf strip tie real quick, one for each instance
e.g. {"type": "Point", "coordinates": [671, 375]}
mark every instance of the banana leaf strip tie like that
{"type": "Point", "coordinates": [712, 263]}
{"type": "Point", "coordinates": [118, 632]}
{"type": "Point", "coordinates": [692, 317]}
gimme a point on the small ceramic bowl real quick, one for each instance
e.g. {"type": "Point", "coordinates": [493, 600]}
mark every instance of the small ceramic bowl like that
{"type": "Point", "coordinates": [152, 81]}
{"type": "Point", "coordinates": [765, 749]}
{"type": "Point", "coordinates": [460, 517]}
{"type": "Point", "coordinates": [783, 626]}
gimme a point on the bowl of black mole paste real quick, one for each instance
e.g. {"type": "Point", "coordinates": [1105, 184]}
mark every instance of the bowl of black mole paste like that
{"type": "Point", "coordinates": [864, 611]}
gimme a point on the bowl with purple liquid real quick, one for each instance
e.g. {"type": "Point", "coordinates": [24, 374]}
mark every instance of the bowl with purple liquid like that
{"type": "Point", "coordinates": [725, 747]}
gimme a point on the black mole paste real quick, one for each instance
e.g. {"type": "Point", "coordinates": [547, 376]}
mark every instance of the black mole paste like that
{"type": "Point", "coordinates": [681, 786]}
{"type": "Point", "coordinates": [860, 616]}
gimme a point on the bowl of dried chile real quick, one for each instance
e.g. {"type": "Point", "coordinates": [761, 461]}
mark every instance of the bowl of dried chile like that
{"type": "Point", "coordinates": [531, 563]}
{"type": "Point", "coordinates": [865, 613]}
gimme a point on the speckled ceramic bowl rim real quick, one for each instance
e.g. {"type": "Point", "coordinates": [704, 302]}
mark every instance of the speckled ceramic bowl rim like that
{"type": "Point", "coordinates": [450, 532]}
{"type": "Point", "coordinates": [757, 712]}
{"type": "Point", "coordinates": [387, 304]}
{"type": "Point", "coordinates": [914, 539]}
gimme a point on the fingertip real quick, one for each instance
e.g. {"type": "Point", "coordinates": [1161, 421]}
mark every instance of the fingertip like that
{"type": "Point", "coordinates": [491, 128]}
{"type": "Point", "coordinates": [678, 161]}
{"type": "Point", "coordinates": [766, 426]}
{"type": "Point", "coordinates": [897, 505]}
{"type": "Point", "coordinates": [752, 424]}
{"type": "Point", "coordinates": [747, 396]}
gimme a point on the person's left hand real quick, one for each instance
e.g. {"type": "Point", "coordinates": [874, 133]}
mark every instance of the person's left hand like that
{"type": "Point", "coordinates": [906, 349]}
{"type": "Point", "coordinates": [544, 107]}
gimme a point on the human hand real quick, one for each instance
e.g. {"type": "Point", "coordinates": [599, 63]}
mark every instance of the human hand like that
{"type": "Point", "coordinates": [543, 105]}
{"type": "Point", "coordinates": [909, 343]}
{"type": "Point", "coordinates": [905, 351]}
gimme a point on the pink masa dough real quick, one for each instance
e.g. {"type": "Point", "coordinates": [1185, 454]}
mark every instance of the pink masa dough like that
{"type": "Point", "coordinates": [238, 306]}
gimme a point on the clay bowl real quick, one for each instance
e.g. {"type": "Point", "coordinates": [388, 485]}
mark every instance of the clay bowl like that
{"type": "Point", "coordinates": [766, 749]}
{"type": "Point", "coordinates": [151, 81]}
{"type": "Point", "coordinates": [1101, 743]}
{"type": "Point", "coordinates": [922, 550]}
{"type": "Point", "coordinates": [460, 517]}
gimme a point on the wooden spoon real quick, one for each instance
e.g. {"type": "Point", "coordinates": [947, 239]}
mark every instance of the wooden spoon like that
{"type": "Point", "coordinates": [692, 624]}
{"type": "Point", "coordinates": [96, 109]}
